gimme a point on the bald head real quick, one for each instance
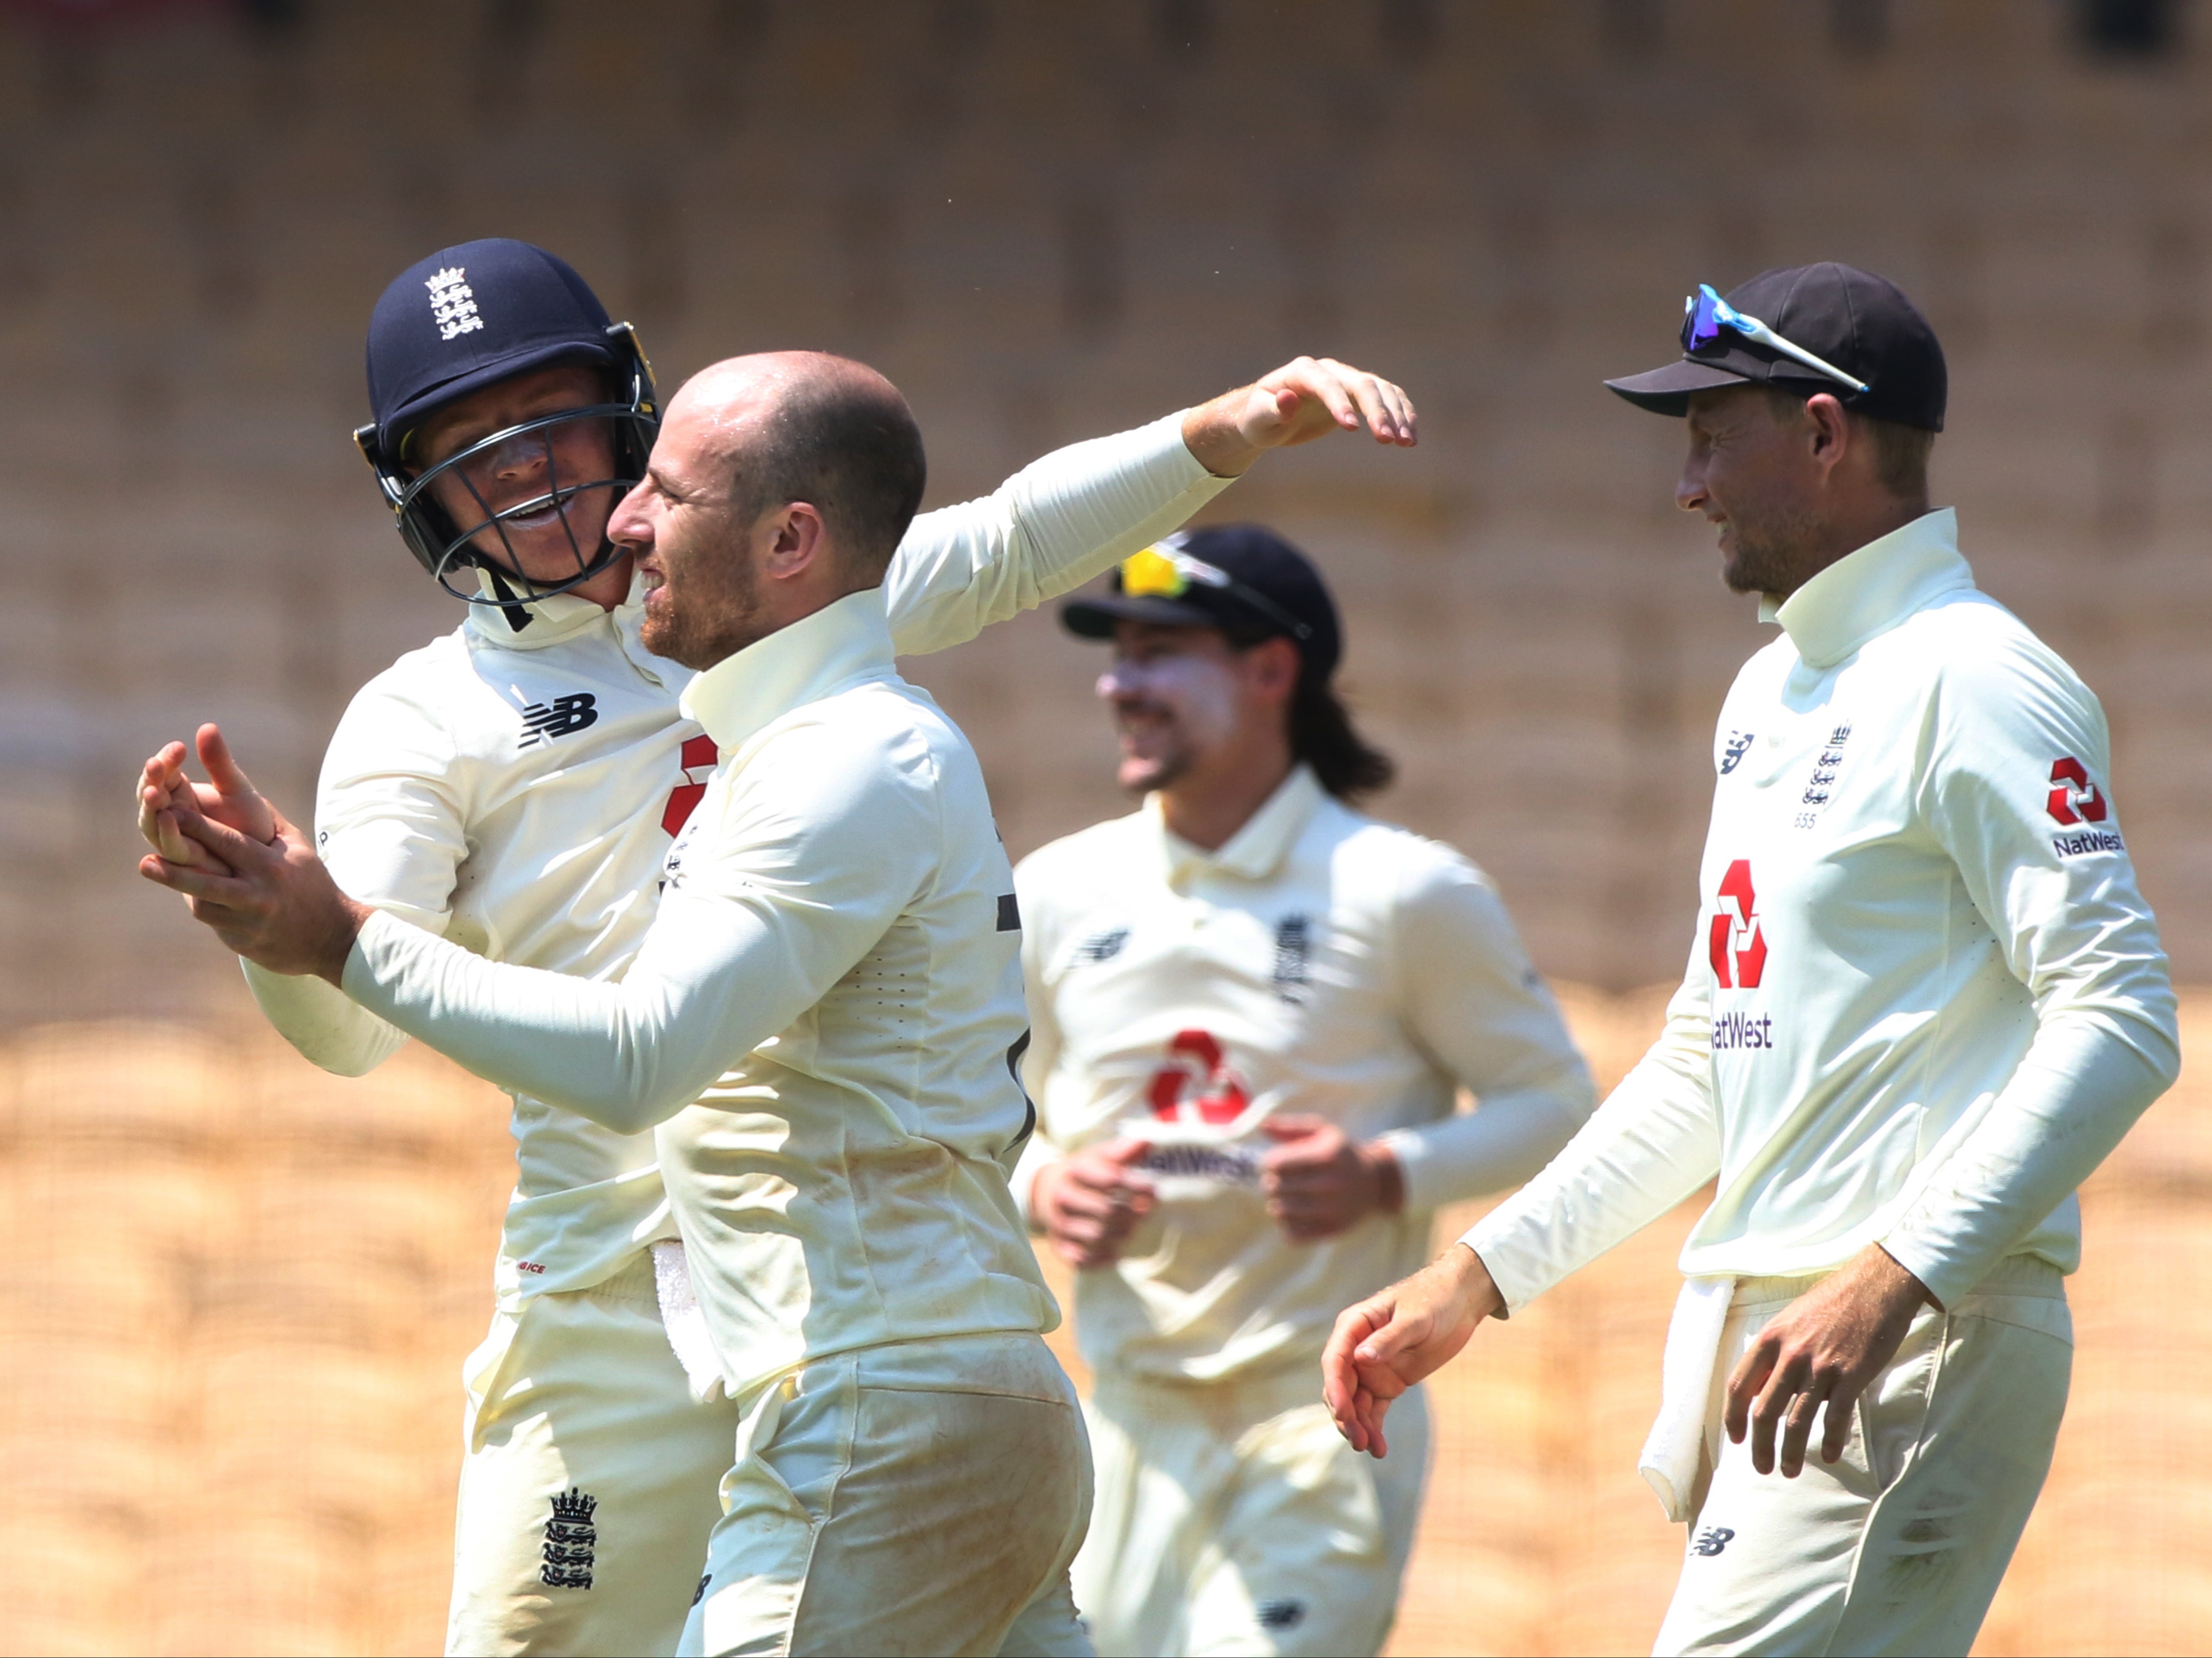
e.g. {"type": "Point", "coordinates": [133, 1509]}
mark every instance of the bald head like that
{"type": "Point", "coordinates": [806, 426]}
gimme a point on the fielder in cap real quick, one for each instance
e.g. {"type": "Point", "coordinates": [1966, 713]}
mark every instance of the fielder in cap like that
{"type": "Point", "coordinates": [1925, 1001]}
{"type": "Point", "coordinates": [1254, 1008]}
{"type": "Point", "coordinates": [515, 786]}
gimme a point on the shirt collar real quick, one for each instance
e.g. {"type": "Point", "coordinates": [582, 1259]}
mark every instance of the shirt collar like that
{"type": "Point", "coordinates": [1871, 591]}
{"type": "Point", "coordinates": [552, 619]}
{"type": "Point", "coordinates": [1256, 851]}
{"type": "Point", "coordinates": [840, 644]}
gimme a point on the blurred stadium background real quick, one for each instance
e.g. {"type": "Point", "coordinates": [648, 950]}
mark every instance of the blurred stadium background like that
{"type": "Point", "coordinates": [236, 1291]}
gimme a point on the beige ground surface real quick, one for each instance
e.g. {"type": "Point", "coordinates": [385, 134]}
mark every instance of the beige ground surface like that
{"type": "Point", "coordinates": [239, 1291]}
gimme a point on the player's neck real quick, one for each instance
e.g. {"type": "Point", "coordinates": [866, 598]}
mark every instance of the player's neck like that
{"type": "Point", "coordinates": [1211, 802]}
{"type": "Point", "coordinates": [610, 588]}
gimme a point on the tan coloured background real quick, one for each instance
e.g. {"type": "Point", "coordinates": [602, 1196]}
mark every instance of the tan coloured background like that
{"type": "Point", "coordinates": [240, 1292]}
{"type": "Point", "coordinates": [237, 1292]}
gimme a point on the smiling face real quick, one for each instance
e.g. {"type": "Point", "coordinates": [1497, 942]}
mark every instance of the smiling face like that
{"type": "Point", "coordinates": [1753, 469]}
{"type": "Point", "coordinates": [700, 559]}
{"type": "Point", "coordinates": [545, 545]}
{"type": "Point", "coordinates": [1185, 699]}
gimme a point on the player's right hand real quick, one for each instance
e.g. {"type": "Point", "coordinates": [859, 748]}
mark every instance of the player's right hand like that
{"type": "Point", "coordinates": [1397, 1337]}
{"type": "Point", "coordinates": [1090, 1204]}
{"type": "Point", "coordinates": [228, 798]}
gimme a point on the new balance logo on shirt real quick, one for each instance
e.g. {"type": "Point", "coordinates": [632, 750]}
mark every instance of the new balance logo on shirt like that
{"type": "Point", "coordinates": [564, 715]}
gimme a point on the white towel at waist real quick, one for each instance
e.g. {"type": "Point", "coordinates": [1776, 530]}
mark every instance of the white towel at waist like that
{"type": "Point", "coordinates": [1669, 1462]}
{"type": "Point", "coordinates": [685, 1324]}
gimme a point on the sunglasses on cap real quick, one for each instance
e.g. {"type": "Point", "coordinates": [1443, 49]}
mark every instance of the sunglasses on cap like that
{"type": "Point", "coordinates": [1704, 314]}
{"type": "Point", "coordinates": [1166, 572]}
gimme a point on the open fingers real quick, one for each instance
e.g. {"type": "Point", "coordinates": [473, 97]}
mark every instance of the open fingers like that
{"type": "Point", "coordinates": [1749, 1375]}
{"type": "Point", "coordinates": [1374, 405]}
{"type": "Point", "coordinates": [222, 770]}
{"type": "Point", "coordinates": [240, 852]}
{"type": "Point", "coordinates": [1797, 1425]}
{"type": "Point", "coordinates": [1771, 1409]}
{"type": "Point", "coordinates": [225, 890]}
{"type": "Point", "coordinates": [1317, 380]}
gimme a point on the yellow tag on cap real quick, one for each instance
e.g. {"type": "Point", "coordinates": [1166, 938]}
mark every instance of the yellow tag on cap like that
{"type": "Point", "coordinates": [1152, 575]}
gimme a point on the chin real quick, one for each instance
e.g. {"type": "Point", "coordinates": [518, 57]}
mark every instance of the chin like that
{"type": "Point", "coordinates": [1141, 775]}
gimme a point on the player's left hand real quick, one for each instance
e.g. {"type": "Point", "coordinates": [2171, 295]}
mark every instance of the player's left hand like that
{"type": "Point", "coordinates": [1825, 1347]}
{"type": "Point", "coordinates": [1318, 1180]}
{"type": "Point", "coordinates": [228, 796]}
{"type": "Point", "coordinates": [1307, 398]}
{"type": "Point", "coordinates": [273, 901]}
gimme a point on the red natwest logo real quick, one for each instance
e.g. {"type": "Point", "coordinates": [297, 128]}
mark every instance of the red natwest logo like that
{"type": "Point", "coordinates": [2075, 799]}
{"type": "Point", "coordinates": [699, 756]}
{"type": "Point", "coordinates": [1739, 947]}
{"type": "Point", "coordinates": [1200, 1059]}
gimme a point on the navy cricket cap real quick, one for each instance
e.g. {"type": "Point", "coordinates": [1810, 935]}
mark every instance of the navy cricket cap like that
{"type": "Point", "coordinates": [1860, 322]}
{"type": "Point", "coordinates": [471, 315]}
{"type": "Point", "coordinates": [1244, 579]}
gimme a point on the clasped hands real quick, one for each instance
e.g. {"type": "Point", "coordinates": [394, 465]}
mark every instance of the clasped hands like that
{"type": "Point", "coordinates": [243, 870]}
{"type": "Point", "coordinates": [1318, 1181]}
{"type": "Point", "coordinates": [1825, 1348]}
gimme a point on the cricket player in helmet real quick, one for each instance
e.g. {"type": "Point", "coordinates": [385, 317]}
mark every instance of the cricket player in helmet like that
{"type": "Point", "coordinates": [515, 786]}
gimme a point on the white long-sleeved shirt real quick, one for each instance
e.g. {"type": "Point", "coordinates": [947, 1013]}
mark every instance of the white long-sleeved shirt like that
{"type": "Point", "coordinates": [835, 976]}
{"type": "Point", "coordinates": [517, 791]}
{"type": "Point", "coordinates": [1319, 961]}
{"type": "Point", "coordinates": [1924, 998]}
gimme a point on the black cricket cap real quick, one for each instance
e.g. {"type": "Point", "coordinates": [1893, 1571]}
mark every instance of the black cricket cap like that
{"type": "Point", "coordinates": [471, 315]}
{"type": "Point", "coordinates": [1858, 321]}
{"type": "Point", "coordinates": [1272, 589]}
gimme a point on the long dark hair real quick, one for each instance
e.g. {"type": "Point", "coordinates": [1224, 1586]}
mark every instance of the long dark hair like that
{"type": "Point", "coordinates": [1321, 735]}
{"type": "Point", "coordinates": [1344, 762]}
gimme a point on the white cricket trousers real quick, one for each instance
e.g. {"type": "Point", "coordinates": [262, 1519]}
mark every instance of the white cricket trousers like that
{"type": "Point", "coordinates": [922, 1498]}
{"type": "Point", "coordinates": [1232, 1517]}
{"type": "Point", "coordinates": [1900, 1545]}
{"type": "Point", "coordinates": [588, 1485]}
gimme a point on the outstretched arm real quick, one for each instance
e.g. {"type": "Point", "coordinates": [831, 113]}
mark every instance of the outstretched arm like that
{"type": "Point", "coordinates": [1078, 511]}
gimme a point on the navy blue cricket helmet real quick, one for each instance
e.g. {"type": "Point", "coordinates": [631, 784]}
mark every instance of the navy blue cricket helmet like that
{"type": "Point", "coordinates": [469, 317]}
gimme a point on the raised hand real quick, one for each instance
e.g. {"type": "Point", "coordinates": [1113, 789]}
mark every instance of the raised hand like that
{"type": "Point", "coordinates": [1306, 399]}
{"type": "Point", "coordinates": [228, 798]}
{"type": "Point", "coordinates": [269, 899]}
{"type": "Point", "coordinates": [1397, 1337]}
{"type": "Point", "coordinates": [1089, 1204]}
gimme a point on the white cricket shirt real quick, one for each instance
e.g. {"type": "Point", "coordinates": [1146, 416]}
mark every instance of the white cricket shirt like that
{"type": "Point", "coordinates": [835, 976]}
{"type": "Point", "coordinates": [517, 791]}
{"type": "Point", "coordinates": [1319, 961]}
{"type": "Point", "coordinates": [1924, 998]}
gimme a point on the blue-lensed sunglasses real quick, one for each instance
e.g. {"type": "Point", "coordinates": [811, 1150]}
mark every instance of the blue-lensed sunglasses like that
{"type": "Point", "coordinates": [1704, 314]}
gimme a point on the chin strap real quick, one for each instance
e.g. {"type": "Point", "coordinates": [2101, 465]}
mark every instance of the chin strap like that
{"type": "Point", "coordinates": [510, 605]}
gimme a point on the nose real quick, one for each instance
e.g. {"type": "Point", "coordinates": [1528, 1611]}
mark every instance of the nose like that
{"type": "Point", "coordinates": [524, 452]}
{"type": "Point", "coordinates": [1690, 492]}
{"type": "Point", "coordinates": [1121, 681]}
{"type": "Point", "coordinates": [629, 526]}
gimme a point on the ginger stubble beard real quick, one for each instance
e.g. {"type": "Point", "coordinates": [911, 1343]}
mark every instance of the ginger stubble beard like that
{"type": "Point", "coordinates": [711, 614]}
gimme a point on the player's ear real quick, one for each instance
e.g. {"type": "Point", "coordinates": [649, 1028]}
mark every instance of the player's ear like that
{"type": "Point", "coordinates": [801, 540]}
{"type": "Point", "coordinates": [1274, 664]}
